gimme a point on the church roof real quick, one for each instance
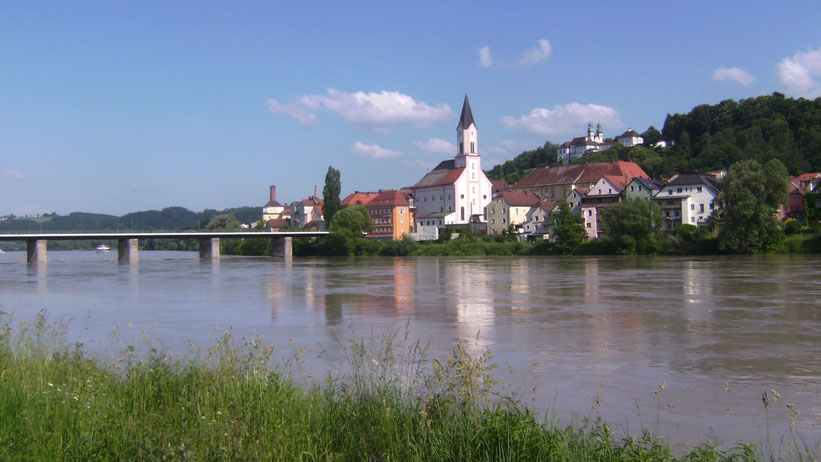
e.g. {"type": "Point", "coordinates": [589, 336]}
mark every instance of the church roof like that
{"type": "Point", "coordinates": [467, 115]}
{"type": "Point", "coordinates": [440, 176]}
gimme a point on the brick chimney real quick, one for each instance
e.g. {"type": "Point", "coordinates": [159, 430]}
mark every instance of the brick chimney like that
{"type": "Point", "coordinates": [316, 191]}
{"type": "Point", "coordinates": [273, 193]}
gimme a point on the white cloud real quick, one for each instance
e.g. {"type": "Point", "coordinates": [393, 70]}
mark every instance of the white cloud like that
{"type": "Point", "coordinates": [537, 54]}
{"type": "Point", "coordinates": [564, 119]}
{"type": "Point", "coordinates": [485, 60]}
{"type": "Point", "coordinates": [376, 109]}
{"type": "Point", "coordinates": [437, 145]}
{"type": "Point", "coordinates": [799, 74]}
{"type": "Point", "coordinates": [373, 151]}
{"type": "Point", "coordinates": [13, 174]}
{"type": "Point", "coordinates": [736, 74]}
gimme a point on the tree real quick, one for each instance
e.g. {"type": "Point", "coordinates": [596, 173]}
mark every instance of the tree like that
{"type": "Point", "coordinates": [635, 226]}
{"type": "Point", "coordinates": [345, 236]}
{"type": "Point", "coordinates": [651, 136]}
{"type": "Point", "coordinates": [748, 203]}
{"type": "Point", "coordinates": [330, 195]}
{"type": "Point", "coordinates": [568, 229]}
{"type": "Point", "coordinates": [223, 222]}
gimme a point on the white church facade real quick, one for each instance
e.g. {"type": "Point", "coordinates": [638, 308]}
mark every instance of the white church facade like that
{"type": "Point", "coordinates": [457, 191]}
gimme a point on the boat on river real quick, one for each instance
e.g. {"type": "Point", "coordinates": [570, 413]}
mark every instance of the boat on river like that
{"type": "Point", "coordinates": [102, 248]}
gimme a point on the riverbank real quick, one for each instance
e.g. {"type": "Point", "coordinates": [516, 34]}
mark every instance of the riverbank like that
{"type": "Point", "coordinates": [236, 402]}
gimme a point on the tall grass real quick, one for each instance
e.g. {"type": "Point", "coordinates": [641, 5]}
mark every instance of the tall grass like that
{"type": "Point", "coordinates": [236, 402]}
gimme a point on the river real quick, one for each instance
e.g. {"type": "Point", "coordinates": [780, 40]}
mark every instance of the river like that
{"type": "Point", "coordinates": [596, 336]}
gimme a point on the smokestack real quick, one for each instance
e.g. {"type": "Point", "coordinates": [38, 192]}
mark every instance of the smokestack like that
{"type": "Point", "coordinates": [273, 193]}
{"type": "Point", "coordinates": [316, 191]}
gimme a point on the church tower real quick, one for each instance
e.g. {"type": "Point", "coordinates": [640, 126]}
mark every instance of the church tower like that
{"type": "Point", "coordinates": [467, 136]}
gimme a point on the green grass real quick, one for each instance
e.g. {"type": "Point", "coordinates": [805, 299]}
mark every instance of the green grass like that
{"type": "Point", "coordinates": [234, 402]}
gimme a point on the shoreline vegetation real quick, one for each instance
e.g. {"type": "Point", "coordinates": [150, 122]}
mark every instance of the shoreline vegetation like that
{"type": "Point", "coordinates": [235, 401]}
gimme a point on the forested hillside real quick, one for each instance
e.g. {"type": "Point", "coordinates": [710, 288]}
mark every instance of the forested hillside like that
{"type": "Point", "coordinates": [171, 218]}
{"type": "Point", "coordinates": [767, 127]}
{"type": "Point", "coordinates": [710, 137]}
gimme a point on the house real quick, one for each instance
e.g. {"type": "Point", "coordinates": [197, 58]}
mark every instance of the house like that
{"type": "Point", "coordinates": [276, 216]}
{"type": "Point", "coordinates": [642, 188]}
{"type": "Point", "coordinates": [539, 222]}
{"type": "Point", "coordinates": [510, 208]}
{"type": "Point", "coordinates": [308, 211]}
{"type": "Point", "coordinates": [554, 183]}
{"type": "Point", "coordinates": [391, 214]}
{"type": "Point", "coordinates": [272, 209]}
{"type": "Point", "coordinates": [795, 208]}
{"type": "Point", "coordinates": [630, 138]}
{"type": "Point", "coordinates": [456, 189]}
{"type": "Point", "coordinates": [605, 193]}
{"type": "Point", "coordinates": [578, 147]}
{"type": "Point", "coordinates": [687, 199]}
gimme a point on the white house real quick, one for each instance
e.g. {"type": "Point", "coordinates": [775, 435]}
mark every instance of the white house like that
{"type": "Point", "coordinates": [630, 138]}
{"type": "Point", "coordinates": [687, 199]}
{"type": "Point", "coordinates": [606, 192]}
{"type": "Point", "coordinates": [456, 190]}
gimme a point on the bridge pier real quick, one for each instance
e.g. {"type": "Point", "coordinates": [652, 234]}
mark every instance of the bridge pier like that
{"type": "Point", "coordinates": [210, 248]}
{"type": "Point", "coordinates": [36, 250]}
{"type": "Point", "coordinates": [282, 247]}
{"type": "Point", "coordinates": [128, 250]}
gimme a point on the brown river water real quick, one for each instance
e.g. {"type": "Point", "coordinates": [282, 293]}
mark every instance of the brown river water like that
{"type": "Point", "coordinates": [595, 336]}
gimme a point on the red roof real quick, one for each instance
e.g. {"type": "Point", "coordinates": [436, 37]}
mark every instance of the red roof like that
{"type": "Point", "coordinates": [619, 182]}
{"type": "Point", "coordinates": [520, 199]}
{"type": "Point", "coordinates": [276, 223]}
{"type": "Point", "coordinates": [581, 173]}
{"type": "Point", "coordinates": [548, 205]}
{"type": "Point", "coordinates": [389, 198]}
{"type": "Point", "coordinates": [358, 198]}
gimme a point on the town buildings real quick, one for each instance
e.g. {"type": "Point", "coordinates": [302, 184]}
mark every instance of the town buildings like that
{"type": "Point", "coordinates": [687, 199]}
{"type": "Point", "coordinates": [457, 191]}
{"type": "Point", "coordinates": [391, 214]}
{"type": "Point", "coordinates": [509, 209]}
{"type": "Point", "coordinates": [554, 183]}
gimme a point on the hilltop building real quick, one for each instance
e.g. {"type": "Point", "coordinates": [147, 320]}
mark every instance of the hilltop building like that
{"type": "Point", "coordinates": [457, 190]}
{"type": "Point", "coordinates": [577, 147]}
{"type": "Point", "coordinates": [630, 138]}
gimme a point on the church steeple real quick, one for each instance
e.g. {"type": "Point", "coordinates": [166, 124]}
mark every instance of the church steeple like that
{"type": "Point", "coordinates": [467, 138]}
{"type": "Point", "coordinates": [467, 115]}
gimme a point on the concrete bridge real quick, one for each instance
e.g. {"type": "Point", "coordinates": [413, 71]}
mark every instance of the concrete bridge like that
{"type": "Point", "coordinates": [128, 243]}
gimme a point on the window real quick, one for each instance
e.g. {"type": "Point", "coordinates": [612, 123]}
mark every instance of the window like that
{"type": "Point", "coordinates": [461, 148]}
{"type": "Point", "coordinates": [698, 188]}
{"type": "Point", "coordinates": [678, 190]}
{"type": "Point", "coordinates": [472, 147]}
{"type": "Point", "coordinates": [401, 219]}
{"type": "Point", "coordinates": [401, 210]}
{"type": "Point", "coordinates": [461, 196]}
{"type": "Point", "coordinates": [503, 221]}
{"type": "Point", "coordinates": [670, 192]}
{"type": "Point", "coordinates": [588, 225]}
{"type": "Point", "coordinates": [701, 208]}
{"type": "Point", "coordinates": [463, 214]}
{"type": "Point", "coordinates": [589, 213]}
{"type": "Point", "coordinates": [484, 196]}
{"type": "Point", "coordinates": [492, 221]}
{"type": "Point", "coordinates": [692, 206]}
{"type": "Point", "coordinates": [639, 187]}
{"type": "Point", "coordinates": [631, 188]}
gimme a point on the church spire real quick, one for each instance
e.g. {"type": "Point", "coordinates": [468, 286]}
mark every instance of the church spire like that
{"type": "Point", "coordinates": [467, 115]}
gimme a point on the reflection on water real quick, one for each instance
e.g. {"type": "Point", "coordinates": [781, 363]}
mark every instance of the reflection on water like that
{"type": "Point", "coordinates": [616, 327]}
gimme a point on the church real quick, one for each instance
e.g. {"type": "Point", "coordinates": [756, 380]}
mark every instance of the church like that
{"type": "Point", "coordinates": [457, 191]}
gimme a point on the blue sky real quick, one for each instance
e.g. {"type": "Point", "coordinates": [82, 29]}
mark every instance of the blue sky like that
{"type": "Point", "coordinates": [115, 107]}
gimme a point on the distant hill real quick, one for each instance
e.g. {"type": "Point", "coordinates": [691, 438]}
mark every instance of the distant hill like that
{"type": "Point", "coordinates": [709, 137]}
{"type": "Point", "coordinates": [171, 219]}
